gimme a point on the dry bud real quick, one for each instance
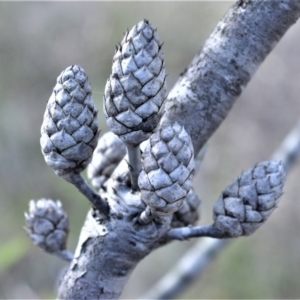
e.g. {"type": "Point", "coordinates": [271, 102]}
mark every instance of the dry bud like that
{"type": "Point", "coordinates": [47, 225]}
{"type": "Point", "coordinates": [188, 214]}
{"type": "Point", "coordinates": [168, 165]}
{"type": "Point", "coordinates": [249, 200]}
{"type": "Point", "coordinates": [70, 129]}
{"type": "Point", "coordinates": [107, 155]}
{"type": "Point", "coordinates": [136, 89]}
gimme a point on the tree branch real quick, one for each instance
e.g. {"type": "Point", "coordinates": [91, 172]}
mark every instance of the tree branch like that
{"type": "Point", "coordinates": [205, 93]}
{"type": "Point", "coordinates": [184, 233]}
{"type": "Point", "coordinates": [289, 150]}
{"type": "Point", "coordinates": [196, 259]}
{"type": "Point", "coordinates": [87, 191]}
{"type": "Point", "coordinates": [109, 250]}
{"type": "Point", "coordinates": [189, 267]}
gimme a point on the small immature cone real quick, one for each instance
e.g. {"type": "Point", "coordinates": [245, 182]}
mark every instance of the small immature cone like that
{"type": "Point", "coordinates": [70, 128]}
{"type": "Point", "coordinates": [188, 214]}
{"type": "Point", "coordinates": [168, 166]}
{"type": "Point", "coordinates": [107, 155]}
{"type": "Point", "coordinates": [249, 200]}
{"type": "Point", "coordinates": [47, 225]}
{"type": "Point", "coordinates": [136, 89]}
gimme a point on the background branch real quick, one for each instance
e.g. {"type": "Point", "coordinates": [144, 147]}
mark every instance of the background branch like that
{"type": "Point", "coordinates": [187, 270]}
{"type": "Point", "coordinates": [197, 259]}
{"type": "Point", "coordinates": [289, 149]}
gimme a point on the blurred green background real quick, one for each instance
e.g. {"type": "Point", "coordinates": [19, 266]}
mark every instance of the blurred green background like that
{"type": "Point", "coordinates": [40, 39]}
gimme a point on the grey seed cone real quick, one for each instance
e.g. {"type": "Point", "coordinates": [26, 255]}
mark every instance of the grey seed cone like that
{"type": "Point", "coordinates": [107, 155]}
{"type": "Point", "coordinates": [168, 166]}
{"type": "Point", "coordinates": [136, 89]}
{"type": "Point", "coordinates": [189, 212]}
{"type": "Point", "coordinates": [70, 127]}
{"type": "Point", "coordinates": [249, 200]}
{"type": "Point", "coordinates": [47, 225]}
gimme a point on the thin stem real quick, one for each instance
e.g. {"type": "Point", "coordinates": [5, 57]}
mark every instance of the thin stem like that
{"type": "Point", "coordinates": [146, 216]}
{"type": "Point", "coordinates": [184, 233]}
{"type": "Point", "coordinates": [289, 149]}
{"type": "Point", "coordinates": [65, 255]}
{"type": "Point", "coordinates": [135, 164]}
{"type": "Point", "coordinates": [88, 192]}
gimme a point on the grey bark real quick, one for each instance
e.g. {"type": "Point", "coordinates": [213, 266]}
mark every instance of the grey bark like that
{"type": "Point", "coordinates": [195, 261]}
{"type": "Point", "coordinates": [110, 248]}
{"type": "Point", "coordinates": [207, 89]}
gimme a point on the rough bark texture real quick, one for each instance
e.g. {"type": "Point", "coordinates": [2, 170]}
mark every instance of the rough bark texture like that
{"type": "Point", "coordinates": [103, 264]}
{"type": "Point", "coordinates": [207, 89]}
{"type": "Point", "coordinates": [110, 248]}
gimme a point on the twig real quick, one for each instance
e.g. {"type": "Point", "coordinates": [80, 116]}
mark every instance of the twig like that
{"type": "Point", "coordinates": [65, 255]}
{"type": "Point", "coordinates": [87, 191]}
{"type": "Point", "coordinates": [146, 216]}
{"type": "Point", "coordinates": [289, 149]}
{"type": "Point", "coordinates": [184, 233]}
{"type": "Point", "coordinates": [135, 164]}
{"type": "Point", "coordinates": [195, 261]}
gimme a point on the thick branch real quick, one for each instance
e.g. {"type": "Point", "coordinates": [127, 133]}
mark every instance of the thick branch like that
{"type": "Point", "coordinates": [205, 93]}
{"type": "Point", "coordinates": [102, 264]}
{"type": "Point", "coordinates": [110, 248]}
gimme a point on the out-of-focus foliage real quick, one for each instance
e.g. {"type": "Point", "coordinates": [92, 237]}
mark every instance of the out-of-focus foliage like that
{"type": "Point", "coordinates": [12, 251]}
{"type": "Point", "coordinates": [40, 39]}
